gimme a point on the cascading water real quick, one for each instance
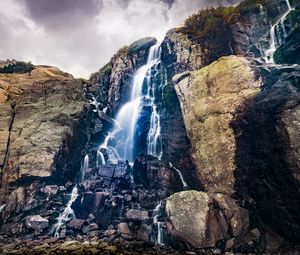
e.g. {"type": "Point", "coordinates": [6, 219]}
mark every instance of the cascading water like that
{"type": "Point", "coordinates": [2, 207]}
{"type": "Point", "coordinates": [154, 145]}
{"type": "Point", "coordinates": [100, 157]}
{"type": "Point", "coordinates": [85, 166]}
{"type": "Point", "coordinates": [184, 184]}
{"type": "Point", "coordinates": [67, 214]}
{"type": "Point", "coordinates": [156, 213]}
{"type": "Point", "coordinates": [275, 38]}
{"type": "Point", "coordinates": [119, 144]}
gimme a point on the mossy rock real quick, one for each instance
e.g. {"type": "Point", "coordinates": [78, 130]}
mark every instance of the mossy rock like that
{"type": "Point", "coordinates": [142, 44]}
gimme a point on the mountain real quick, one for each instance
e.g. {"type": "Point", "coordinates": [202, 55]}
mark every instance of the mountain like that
{"type": "Point", "coordinates": [208, 120]}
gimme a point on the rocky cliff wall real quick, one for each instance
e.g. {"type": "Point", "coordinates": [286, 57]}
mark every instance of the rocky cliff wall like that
{"type": "Point", "coordinates": [43, 125]}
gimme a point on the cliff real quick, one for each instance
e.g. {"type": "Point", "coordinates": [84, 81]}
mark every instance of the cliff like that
{"type": "Point", "coordinates": [228, 176]}
{"type": "Point", "coordinates": [41, 114]}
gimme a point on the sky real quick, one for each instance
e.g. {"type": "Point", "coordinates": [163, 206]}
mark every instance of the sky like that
{"type": "Point", "coordinates": [80, 36]}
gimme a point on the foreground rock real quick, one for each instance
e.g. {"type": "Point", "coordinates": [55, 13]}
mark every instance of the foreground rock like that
{"type": "Point", "coordinates": [202, 220]}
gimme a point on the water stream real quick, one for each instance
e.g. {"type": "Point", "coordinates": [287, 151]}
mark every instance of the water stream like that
{"type": "Point", "coordinates": [156, 213]}
{"type": "Point", "coordinates": [67, 214]}
{"type": "Point", "coordinates": [120, 143]}
{"type": "Point", "coordinates": [84, 167]}
{"type": "Point", "coordinates": [275, 37]}
{"type": "Point", "coordinates": [184, 183]}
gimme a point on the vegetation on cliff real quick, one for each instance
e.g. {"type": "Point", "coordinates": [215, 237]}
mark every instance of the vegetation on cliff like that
{"type": "Point", "coordinates": [17, 67]}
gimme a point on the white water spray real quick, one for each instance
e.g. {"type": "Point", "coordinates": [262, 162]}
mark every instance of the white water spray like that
{"type": "Point", "coordinates": [85, 166]}
{"type": "Point", "coordinates": [120, 142]}
{"type": "Point", "coordinates": [156, 214]}
{"type": "Point", "coordinates": [67, 214]}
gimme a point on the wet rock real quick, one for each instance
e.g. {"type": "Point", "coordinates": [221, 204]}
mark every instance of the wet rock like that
{"type": "Point", "coordinates": [87, 229]}
{"type": "Point", "coordinates": [273, 240]}
{"type": "Point", "coordinates": [36, 222]}
{"type": "Point", "coordinates": [243, 240]}
{"type": "Point", "coordinates": [124, 230]}
{"type": "Point", "coordinates": [15, 204]}
{"type": "Point", "coordinates": [50, 189]}
{"type": "Point", "coordinates": [144, 232]}
{"type": "Point", "coordinates": [288, 52]}
{"type": "Point", "coordinates": [137, 215]}
{"type": "Point", "coordinates": [76, 224]}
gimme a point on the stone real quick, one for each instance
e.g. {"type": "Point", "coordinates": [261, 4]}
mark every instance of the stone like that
{"type": "Point", "coordinates": [124, 230]}
{"type": "Point", "coordinates": [188, 213]}
{"type": "Point", "coordinates": [36, 222]}
{"type": "Point", "coordinates": [144, 232]}
{"type": "Point", "coordinates": [200, 220]}
{"type": "Point", "coordinates": [76, 224]}
{"type": "Point", "coordinates": [137, 215]}
{"type": "Point", "coordinates": [50, 189]}
{"type": "Point", "coordinates": [243, 240]}
{"type": "Point", "coordinates": [273, 240]}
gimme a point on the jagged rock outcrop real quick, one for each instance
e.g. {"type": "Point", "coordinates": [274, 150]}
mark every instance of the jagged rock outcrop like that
{"type": "Point", "coordinates": [42, 116]}
{"type": "Point", "coordinates": [288, 53]}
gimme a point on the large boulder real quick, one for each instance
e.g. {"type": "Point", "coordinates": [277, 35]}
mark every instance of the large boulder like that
{"type": "Point", "coordinates": [209, 99]}
{"type": "Point", "coordinates": [201, 220]}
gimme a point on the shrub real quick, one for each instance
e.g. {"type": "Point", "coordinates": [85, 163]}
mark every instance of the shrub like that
{"type": "Point", "coordinates": [18, 67]}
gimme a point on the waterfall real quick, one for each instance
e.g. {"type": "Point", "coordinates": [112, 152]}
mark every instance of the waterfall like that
{"type": "Point", "coordinates": [275, 39]}
{"type": "Point", "coordinates": [95, 103]}
{"type": "Point", "coordinates": [154, 147]}
{"type": "Point", "coordinates": [2, 207]}
{"type": "Point", "coordinates": [184, 184]}
{"type": "Point", "coordinates": [119, 144]}
{"type": "Point", "coordinates": [156, 214]}
{"type": "Point", "coordinates": [67, 214]}
{"type": "Point", "coordinates": [84, 167]}
{"type": "Point", "coordinates": [101, 157]}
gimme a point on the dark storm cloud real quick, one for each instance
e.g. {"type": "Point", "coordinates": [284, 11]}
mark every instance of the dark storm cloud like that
{"type": "Point", "coordinates": [62, 12]}
{"type": "Point", "coordinates": [80, 36]}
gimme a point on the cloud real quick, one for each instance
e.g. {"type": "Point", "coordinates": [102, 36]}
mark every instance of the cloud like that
{"type": "Point", "coordinates": [81, 36]}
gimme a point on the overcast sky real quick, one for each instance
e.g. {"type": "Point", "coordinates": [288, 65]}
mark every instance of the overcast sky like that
{"type": "Point", "coordinates": [80, 36]}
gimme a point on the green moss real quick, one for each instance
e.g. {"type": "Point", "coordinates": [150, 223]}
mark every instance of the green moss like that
{"type": "Point", "coordinates": [106, 70]}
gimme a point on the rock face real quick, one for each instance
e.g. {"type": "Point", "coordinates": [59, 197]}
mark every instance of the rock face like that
{"type": "Point", "coordinates": [209, 99]}
{"type": "Point", "coordinates": [267, 156]}
{"type": "Point", "coordinates": [201, 220]}
{"type": "Point", "coordinates": [40, 113]}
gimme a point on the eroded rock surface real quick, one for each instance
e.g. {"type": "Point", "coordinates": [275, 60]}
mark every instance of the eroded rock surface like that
{"type": "Point", "coordinates": [40, 111]}
{"type": "Point", "coordinates": [209, 99]}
